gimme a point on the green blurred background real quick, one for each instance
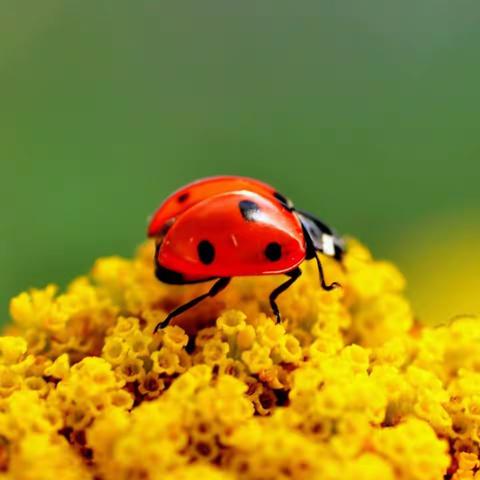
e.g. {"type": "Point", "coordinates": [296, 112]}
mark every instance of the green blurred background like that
{"type": "Point", "coordinates": [366, 113]}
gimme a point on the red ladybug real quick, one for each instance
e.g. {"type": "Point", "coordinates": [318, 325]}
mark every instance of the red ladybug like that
{"type": "Point", "coordinates": [222, 227]}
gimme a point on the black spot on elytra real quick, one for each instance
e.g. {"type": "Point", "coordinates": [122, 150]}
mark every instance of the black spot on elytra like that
{"type": "Point", "coordinates": [273, 251]}
{"type": "Point", "coordinates": [183, 197]}
{"type": "Point", "coordinates": [206, 252]}
{"type": "Point", "coordinates": [248, 209]}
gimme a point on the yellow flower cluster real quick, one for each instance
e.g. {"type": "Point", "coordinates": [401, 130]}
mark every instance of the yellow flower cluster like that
{"type": "Point", "coordinates": [348, 386]}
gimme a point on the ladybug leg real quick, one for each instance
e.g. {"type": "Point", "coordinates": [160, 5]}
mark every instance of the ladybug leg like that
{"type": "Point", "coordinates": [217, 287]}
{"type": "Point", "coordinates": [294, 274]}
{"type": "Point", "coordinates": [312, 253]}
{"type": "Point", "coordinates": [324, 285]}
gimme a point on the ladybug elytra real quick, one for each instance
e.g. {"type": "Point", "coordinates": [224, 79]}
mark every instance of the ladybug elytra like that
{"type": "Point", "coordinates": [222, 227]}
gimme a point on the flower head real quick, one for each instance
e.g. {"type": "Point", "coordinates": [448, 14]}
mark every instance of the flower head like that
{"type": "Point", "coordinates": [350, 386]}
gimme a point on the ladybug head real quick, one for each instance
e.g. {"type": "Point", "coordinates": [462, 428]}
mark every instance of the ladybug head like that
{"type": "Point", "coordinates": [324, 239]}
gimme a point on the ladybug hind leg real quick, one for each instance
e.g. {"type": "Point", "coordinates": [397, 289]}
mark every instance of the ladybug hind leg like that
{"type": "Point", "coordinates": [293, 274]}
{"type": "Point", "coordinates": [217, 287]}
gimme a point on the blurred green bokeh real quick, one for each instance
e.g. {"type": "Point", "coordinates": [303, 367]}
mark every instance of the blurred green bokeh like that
{"type": "Point", "coordinates": [365, 112]}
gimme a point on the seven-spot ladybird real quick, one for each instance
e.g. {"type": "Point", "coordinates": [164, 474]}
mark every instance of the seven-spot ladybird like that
{"type": "Point", "coordinates": [222, 227]}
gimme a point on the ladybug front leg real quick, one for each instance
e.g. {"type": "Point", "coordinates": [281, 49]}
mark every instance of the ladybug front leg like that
{"type": "Point", "coordinates": [326, 286]}
{"type": "Point", "coordinates": [217, 287]}
{"type": "Point", "coordinates": [312, 253]}
{"type": "Point", "coordinates": [294, 274]}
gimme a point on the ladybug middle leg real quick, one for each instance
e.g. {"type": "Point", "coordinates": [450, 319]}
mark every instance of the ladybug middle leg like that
{"type": "Point", "coordinates": [217, 287]}
{"type": "Point", "coordinates": [294, 274]}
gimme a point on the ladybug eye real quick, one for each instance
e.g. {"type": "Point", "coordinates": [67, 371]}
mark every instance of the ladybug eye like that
{"type": "Point", "coordinates": [273, 251]}
{"type": "Point", "coordinates": [206, 252]}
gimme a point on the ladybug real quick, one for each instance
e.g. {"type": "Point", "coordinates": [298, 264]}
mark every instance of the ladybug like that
{"type": "Point", "coordinates": [221, 227]}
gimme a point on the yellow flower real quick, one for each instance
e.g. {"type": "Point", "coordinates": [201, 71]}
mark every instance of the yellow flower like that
{"type": "Point", "coordinates": [37, 384]}
{"type": "Point", "coordinates": [413, 449]}
{"type": "Point", "coordinates": [121, 398]}
{"type": "Point", "coordinates": [37, 308]}
{"type": "Point", "coordinates": [289, 349]}
{"type": "Point", "coordinates": [174, 338]}
{"type": "Point", "coordinates": [131, 369]}
{"type": "Point", "coordinates": [165, 361]}
{"type": "Point", "coordinates": [9, 381]}
{"type": "Point", "coordinates": [138, 344]}
{"type": "Point", "coordinates": [257, 358]}
{"type": "Point", "coordinates": [196, 471]}
{"type": "Point", "coordinates": [151, 385]}
{"type": "Point", "coordinates": [382, 319]}
{"type": "Point", "coordinates": [126, 326]}
{"type": "Point", "coordinates": [270, 333]}
{"type": "Point", "coordinates": [12, 349]}
{"type": "Point", "coordinates": [246, 337]}
{"type": "Point", "coordinates": [231, 322]}
{"type": "Point", "coordinates": [369, 467]}
{"type": "Point", "coordinates": [215, 351]}
{"type": "Point", "coordinates": [59, 368]}
{"type": "Point", "coordinates": [350, 386]}
{"type": "Point", "coordinates": [115, 350]}
{"type": "Point", "coordinates": [39, 456]}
